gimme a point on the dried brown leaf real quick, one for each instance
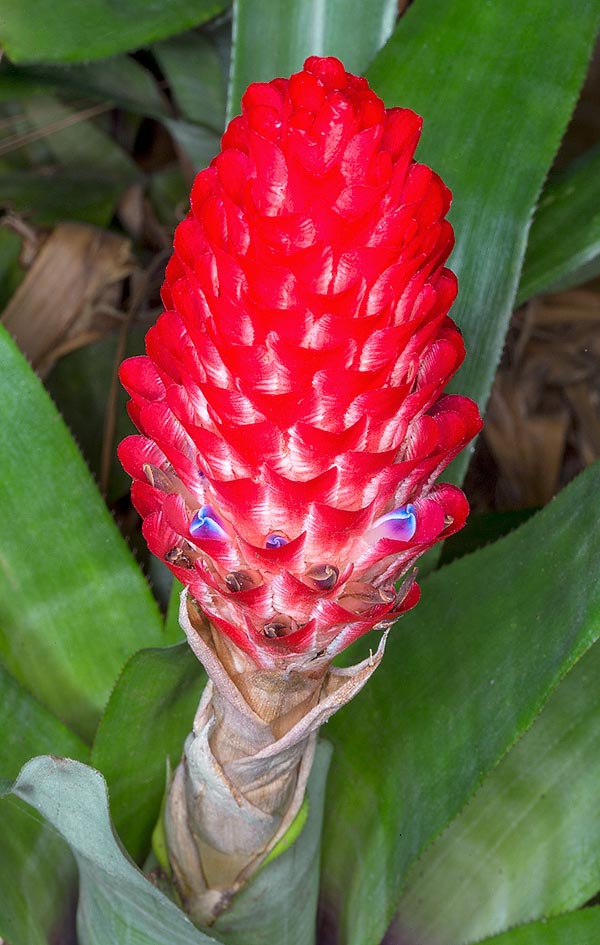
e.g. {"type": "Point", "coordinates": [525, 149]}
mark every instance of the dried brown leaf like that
{"type": "Point", "coordinates": [76, 273]}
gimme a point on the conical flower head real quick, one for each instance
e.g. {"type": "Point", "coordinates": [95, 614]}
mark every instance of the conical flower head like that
{"type": "Point", "coordinates": [290, 406]}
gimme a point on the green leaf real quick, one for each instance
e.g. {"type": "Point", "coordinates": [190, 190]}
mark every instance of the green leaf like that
{"type": "Point", "coordinates": [481, 529]}
{"type": "Point", "coordinates": [64, 195]}
{"type": "Point", "coordinates": [38, 878]}
{"type": "Point", "coordinates": [121, 80]}
{"type": "Point", "coordinates": [192, 67]}
{"type": "Point", "coordinates": [294, 831]}
{"type": "Point", "coordinates": [37, 872]}
{"type": "Point", "coordinates": [74, 603]}
{"type": "Point", "coordinates": [528, 844]}
{"type": "Point", "coordinates": [149, 715]}
{"type": "Point", "coordinates": [79, 384]}
{"type": "Point", "coordinates": [79, 143]}
{"type": "Point", "coordinates": [577, 928]}
{"type": "Point", "coordinates": [76, 32]}
{"type": "Point", "coordinates": [199, 143]}
{"type": "Point", "coordinates": [169, 195]}
{"type": "Point", "coordinates": [27, 729]}
{"type": "Point", "coordinates": [172, 628]}
{"type": "Point", "coordinates": [495, 98]}
{"type": "Point", "coordinates": [279, 905]}
{"type": "Point", "coordinates": [11, 273]}
{"type": "Point", "coordinates": [96, 169]}
{"type": "Point", "coordinates": [463, 677]}
{"type": "Point", "coordinates": [116, 902]}
{"type": "Point", "coordinates": [274, 37]}
{"type": "Point", "coordinates": [564, 243]}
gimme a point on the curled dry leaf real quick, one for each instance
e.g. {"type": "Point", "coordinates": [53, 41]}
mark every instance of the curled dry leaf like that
{"type": "Point", "coordinates": [77, 271]}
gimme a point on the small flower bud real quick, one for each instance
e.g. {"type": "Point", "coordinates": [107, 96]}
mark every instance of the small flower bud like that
{"type": "Point", "coordinates": [179, 558]}
{"type": "Point", "coordinates": [207, 524]}
{"type": "Point", "coordinates": [279, 626]}
{"type": "Point", "coordinates": [242, 580]}
{"type": "Point", "coordinates": [323, 576]}
{"type": "Point", "coordinates": [275, 540]}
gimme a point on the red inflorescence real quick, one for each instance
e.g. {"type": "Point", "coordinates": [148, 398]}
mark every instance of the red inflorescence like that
{"type": "Point", "coordinates": [290, 404]}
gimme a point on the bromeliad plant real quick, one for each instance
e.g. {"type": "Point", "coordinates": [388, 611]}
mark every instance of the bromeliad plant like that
{"type": "Point", "coordinates": [294, 431]}
{"type": "Point", "coordinates": [293, 428]}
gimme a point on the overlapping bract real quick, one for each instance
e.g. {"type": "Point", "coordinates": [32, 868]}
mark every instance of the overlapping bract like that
{"type": "Point", "coordinates": [290, 400]}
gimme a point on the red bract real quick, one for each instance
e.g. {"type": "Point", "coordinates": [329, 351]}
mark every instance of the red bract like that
{"type": "Point", "coordinates": [290, 400]}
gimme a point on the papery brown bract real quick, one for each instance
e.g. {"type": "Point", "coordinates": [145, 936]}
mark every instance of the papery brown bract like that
{"type": "Point", "coordinates": [290, 403]}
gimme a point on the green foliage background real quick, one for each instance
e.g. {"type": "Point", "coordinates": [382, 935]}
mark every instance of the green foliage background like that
{"type": "Point", "coordinates": [462, 800]}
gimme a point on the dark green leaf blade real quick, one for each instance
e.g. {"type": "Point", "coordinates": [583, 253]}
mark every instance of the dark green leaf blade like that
{"type": "Point", "coordinates": [27, 729]}
{"type": "Point", "coordinates": [274, 37]}
{"type": "Point", "coordinates": [76, 148]}
{"type": "Point", "coordinates": [199, 143]}
{"type": "Point", "coordinates": [173, 630]}
{"type": "Point", "coordinates": [564, 244]}
{"type": "Point", "coordinates": [73, 194]}
{"type": "Point", "coordinates": [150, 712]}
{"type": "Point", "coordinates": [192, 67]}
{"type": "Point", "coordinates": [77, 32]}
{"type": "Point", "coordinates": [37, 872]}
{"type": "Point", "coordinates": [11, 273]}
{"type": "Point", "coordinates": [116, 902]}
{"type": "Point", "coordinates": [496, 97]}
{"type": "Point", "coordinates": [464, 676]}
{"type": "Point", "coordinates": [79, 143]}
{"type": "Point", "coordinates": [576, 928]}
{"type": "Point", "coordinates": [79, 383]}
{"type": "Point", "coordinates": [528, 844]}
{"type": "Point", "coordinates": [74, 604]}
{"type": "Point", "coordinates": [38, 878]}
{"type": "Point", "coordinates": [481, 529]}
{"type": "Point", "coordinates": [121, 80]}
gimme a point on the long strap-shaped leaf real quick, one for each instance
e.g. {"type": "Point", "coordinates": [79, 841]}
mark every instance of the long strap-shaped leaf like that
{"type": "Point", "coordinates": [564, 244]}
{"type": "Point", "coordinates": [528, 844]}
{"type": "Point", "coordinates": [117, 904]}
{"type": "Point", "coordinates": [273, 37]}
{"type": "Point", "coordinates": [75, 604]}
{"type": "Point", "coordinates": [576, 928]}
{"type": "Point", "coordinates": [77, 32]}
{"type": "Point", "coordinates": [496, 83]}
{"type": "Point", "coordinates": [464, 675]}
{"type": "Point", "coordinates": [37, 872]}
{"type": "Point", "coordinates": [148, 716]}
{"type": "Point", "coordinates": [120, 79]}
